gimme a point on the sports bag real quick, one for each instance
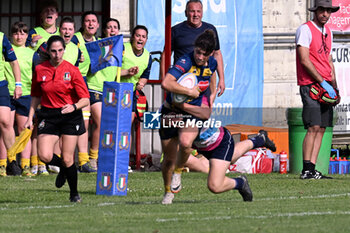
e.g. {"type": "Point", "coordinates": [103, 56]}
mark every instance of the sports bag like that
{"type": "Point", "coordinates": [317, 92]}
{"type": "Point", "coordinates": [253, 162]}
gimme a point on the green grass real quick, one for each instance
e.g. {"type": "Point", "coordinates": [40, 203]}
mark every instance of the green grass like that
{"type": "Point", "coordinates": [282, 203]}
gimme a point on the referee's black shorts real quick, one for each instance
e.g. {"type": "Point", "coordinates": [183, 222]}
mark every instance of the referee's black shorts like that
{"type": "Point", "coordinates": [52, 121]}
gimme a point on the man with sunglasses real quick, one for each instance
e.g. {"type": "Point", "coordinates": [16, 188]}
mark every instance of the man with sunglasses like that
{"type": "Point", "coordinates": [314, 65]}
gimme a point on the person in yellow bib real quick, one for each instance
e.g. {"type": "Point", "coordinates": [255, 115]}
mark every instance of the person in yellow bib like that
{"type": "Point", "coordinates": [72, 53]}
{"type": "Point", "coordinates": [110, 27]}
{"type": "Point", "coordinates": [38, 35]}
{"type": "Point", "coordinates": [87, 33]}
{"type": "Point", "coordinates": [27, 59]}
{"type": "Point", "coordinates": [7, 132]}
{"type": "Point", "coordinates": [137, 61]}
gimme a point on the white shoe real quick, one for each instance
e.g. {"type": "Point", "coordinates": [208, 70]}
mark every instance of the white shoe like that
{"type": "Point", "coordinates": [54, 169]}
{"type": "Point", "coordinates": [42, 170]}
{"type": "Point", "coordinates": [175, 185]}
{"type": "Point", "coordinates": [129, 169]}
{"type": "Point", "coordinates": [168, 198]}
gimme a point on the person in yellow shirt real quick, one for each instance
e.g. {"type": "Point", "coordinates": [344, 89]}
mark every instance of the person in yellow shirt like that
{"type": "Point", "coordinates": [27, 59]}
{"type": "Point", "coordinates": [87, 33]}
{"type": "Point", "coordinates": [7, 132]}
{"type": "Point", "coordinates": [38, 35]}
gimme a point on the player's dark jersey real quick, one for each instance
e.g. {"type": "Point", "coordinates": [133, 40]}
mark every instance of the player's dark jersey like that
{"type": "Point", "coordinates": [186, 64]}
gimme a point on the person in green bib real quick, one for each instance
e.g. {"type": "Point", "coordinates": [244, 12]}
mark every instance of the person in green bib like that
{"type": "Point", "coordinates": [87, 33]}
{"type": "Point", "coordinates": [95, 81]}
{"type": "Point", "coordinates": [72, 53]}
{"type": "Point", "coordinates": [27, 59]}
{"type": "Point", "coordinates": [7, 132]}
{"type": "Point", "coordinates": [137, 61]}
{"type": "Point", "coordinates": [38, 35]}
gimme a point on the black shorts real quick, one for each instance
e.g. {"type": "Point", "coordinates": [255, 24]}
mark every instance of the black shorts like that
{"type": "Point", "coordinates": [21, 105]}
{"type": "Point", "coordinates": [95, 97]}
{"type": "Point", "coordinates": [167, 130]}
{"type": "Point", "coordinates": [224, 151]}
{"type": "Point", "coordinates": [52, 121]}
{"type": "Point", "coordinates": [315, 113]}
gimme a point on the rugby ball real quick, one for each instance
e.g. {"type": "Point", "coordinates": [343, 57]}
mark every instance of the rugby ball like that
{"type": "Point", "coordinates": [188, 80]}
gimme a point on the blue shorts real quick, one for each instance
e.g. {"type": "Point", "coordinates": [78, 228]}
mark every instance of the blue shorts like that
{"type": "Point", "coordinates": [224, 151]}
{"type": "Point", "coordinates": [4, 94]}
{"type": "Point", "coordinates": [95, 97]}
{"type": "Point", "coordinates": [21, 105]}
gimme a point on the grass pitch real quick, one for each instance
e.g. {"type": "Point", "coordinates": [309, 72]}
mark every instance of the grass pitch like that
{"type": "Point", "coordinates": [282, 203]}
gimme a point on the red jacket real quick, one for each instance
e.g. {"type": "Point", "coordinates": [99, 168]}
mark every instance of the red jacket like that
{"type": "Point", "coordinates": [58, 86]}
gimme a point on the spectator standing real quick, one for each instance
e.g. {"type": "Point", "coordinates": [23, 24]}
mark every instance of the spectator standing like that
{"type": "Point", "coordinates": [315, 65]}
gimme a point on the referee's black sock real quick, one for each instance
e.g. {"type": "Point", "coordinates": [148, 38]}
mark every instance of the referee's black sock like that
{"type": "Point", "coordinates": [72, 178]}
{"type": "Point", "coordinates": [55, 161]}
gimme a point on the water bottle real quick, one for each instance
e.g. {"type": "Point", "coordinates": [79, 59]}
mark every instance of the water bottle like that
{"type": "Point", "coordinates": [283, 162]}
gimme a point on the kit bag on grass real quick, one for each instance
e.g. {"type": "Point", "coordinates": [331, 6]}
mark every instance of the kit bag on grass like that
{"type": "Point", "coordinates": [253, 162]}
{"type": "Point", "coordinates": [140, 105]}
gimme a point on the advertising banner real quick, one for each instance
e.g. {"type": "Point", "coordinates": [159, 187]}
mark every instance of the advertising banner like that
{"type": "Point", "coordinates": [341, 60]}
{"type": "Point", "coordinates": [340, 20]}
{"type": "Point", "coordinates": [239, 26]}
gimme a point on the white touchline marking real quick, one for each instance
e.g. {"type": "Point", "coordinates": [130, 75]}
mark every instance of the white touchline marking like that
{"type": "Point", "coordinates": [304, 197]}
{"type": "Point", "coordinates": [182, 213]}
{"type": "Point", "coordinates": [298, 214]}
{"type": "Point", "coordinates": [193, 219]}
{"type": "Point", "coordinates": [37, 207]}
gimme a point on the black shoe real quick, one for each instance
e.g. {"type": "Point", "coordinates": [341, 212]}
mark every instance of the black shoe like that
{"type": "Point", "coordinates": [14, 169]}
{"type": "Point", "coordinates": [246, 192]}
{"type": "Point", "coordinates": [75, 198]}
{"type": "Point", "coordinates": [269, 144]}
{"type": "Point", "coordinates": [306, 175]}
{"type": "Point", "coordinates": [318, 175]}
{"type": "Point", "coordinates": [61, 178]}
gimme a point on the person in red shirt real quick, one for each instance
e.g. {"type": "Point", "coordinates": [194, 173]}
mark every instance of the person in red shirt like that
{"type": "Point", "coordinates": [60, 89]}
{"type": "Point", "coordinates": [315, 65]}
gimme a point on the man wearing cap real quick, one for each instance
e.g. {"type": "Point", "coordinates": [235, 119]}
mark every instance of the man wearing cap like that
{"type": "Point", "coordinates": [314, 65]}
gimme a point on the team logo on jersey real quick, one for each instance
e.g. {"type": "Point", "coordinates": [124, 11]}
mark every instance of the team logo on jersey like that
{"type": "Point", "coordinates": [43, 77]}
{"type": "Point", "coordinates": [106, 48]}
{"type": "Point", "coordinates": [105, 182]}
{"type": "Point", "coordinates": [110, 98]}
{"type": "Point", "coordinates": [121, 184]}
{"type": "Point", "coordinates": [107, 140]}
{"type": "Point", "coordinates": [10, 51]}
{"type": "Point", "coordinates": [124, 141]}
{"type": "Point", "coordinates": [126, 101]}
{"type": "Point", "coordinates": [67, 77]}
